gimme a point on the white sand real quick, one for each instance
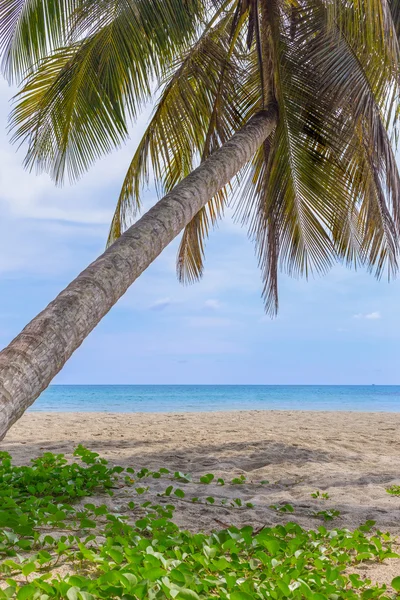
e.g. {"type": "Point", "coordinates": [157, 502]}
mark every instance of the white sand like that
{"type": "Point", "coordinates": [353, 457]}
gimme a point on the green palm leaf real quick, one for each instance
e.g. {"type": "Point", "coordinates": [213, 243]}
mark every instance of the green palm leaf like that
{"type": "Point", "coordinates": [315, 194]}
{"type": "Point", "coordinates": [195, 114]}
{"type": "Point", "coordinates": [77, 103]}
{"type": "Point", "coordinates": [30, 30]}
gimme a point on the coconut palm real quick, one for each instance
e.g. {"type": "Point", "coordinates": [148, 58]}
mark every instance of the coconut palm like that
{"type": "Point", "coordinates": [286, 107]}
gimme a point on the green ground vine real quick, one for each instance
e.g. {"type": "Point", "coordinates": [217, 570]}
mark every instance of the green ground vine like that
{"type": "Point", "coordinates": [55, 544]}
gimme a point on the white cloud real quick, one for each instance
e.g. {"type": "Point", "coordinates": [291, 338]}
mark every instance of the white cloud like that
{"type": "Point", "coordinates": [34, 196]}
{"type": "Point", "coordinates": [160, 304]}
{"type": "Point", "coordinates": [212, 304]}
{"type": "Point", "coordinates": [373, 316]}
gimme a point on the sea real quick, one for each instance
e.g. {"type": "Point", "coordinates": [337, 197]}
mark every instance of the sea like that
{"type": "Point", "coordinates": [197, 398]}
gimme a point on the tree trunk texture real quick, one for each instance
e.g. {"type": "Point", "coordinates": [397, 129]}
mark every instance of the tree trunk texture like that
{"type": "Point", "coordinates": [39, 352]}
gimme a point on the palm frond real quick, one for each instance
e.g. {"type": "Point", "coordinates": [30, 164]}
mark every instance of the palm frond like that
{"type": "Point", "coordinates": [78, 102]}
{"type": "Point", "coordinates": [366, 23]}
{"type": "Point", "coordinates": [191, 253]}
{"type": "Point", "coordinates": [69, 114]}
{"type": "Point", "coordinates": [394, 7]}
{"type": "Point", "coordinates": [194, 115]}
{"type": "Point", "coordinates": [289, 224]}
{"type": "Point", "coordinates": [318, 195]}
{"type": "Point", "coordinates": [366, 90]}
{"type": "Point", "coordinates": [30, 30]}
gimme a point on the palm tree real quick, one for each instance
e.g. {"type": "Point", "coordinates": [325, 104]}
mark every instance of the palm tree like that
{"type": "Point", "coordinates": [287, 106]}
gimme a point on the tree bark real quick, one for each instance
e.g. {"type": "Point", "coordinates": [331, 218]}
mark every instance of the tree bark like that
{"type": "Point", "coordinates": [38, 353]}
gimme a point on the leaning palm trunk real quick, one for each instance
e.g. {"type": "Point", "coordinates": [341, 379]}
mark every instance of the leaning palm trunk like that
{"type": "Point", "coordinates": [37, 354]}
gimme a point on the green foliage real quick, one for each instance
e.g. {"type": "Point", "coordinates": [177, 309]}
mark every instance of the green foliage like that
{"type": "Point", "coordinates": [52, 476]}
{"type": "Point", "coordinates": [327, 515]}
{"type": "Point", "coordinates": [320, 495]}
{"type": "Point", "coordinates": [394, 490]}
{"type": "Point", "coordinates": [238, 480]}
{"type": "Point", "coordinates": [285, 508]}
{"type": "Point", "coordinates": [146, 556]}
{"type": "Point", "coordinates": [396, 584]}
{"type": "Point", "coordinates": [207, 478]}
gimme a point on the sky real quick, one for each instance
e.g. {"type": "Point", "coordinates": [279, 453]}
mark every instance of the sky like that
{"type": "Point", "coordinates": [343, 328]}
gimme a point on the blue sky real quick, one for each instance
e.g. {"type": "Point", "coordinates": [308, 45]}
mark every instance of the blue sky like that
{"type": "Point", "coordinates": [340, 329]}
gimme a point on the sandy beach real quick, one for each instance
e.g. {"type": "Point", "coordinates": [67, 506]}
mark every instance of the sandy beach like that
{"type": "Point", "coordinates": [353, 457]}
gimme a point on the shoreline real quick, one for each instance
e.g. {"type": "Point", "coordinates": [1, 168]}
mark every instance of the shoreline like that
{"type": "Point", "coordinates": [208, 412]}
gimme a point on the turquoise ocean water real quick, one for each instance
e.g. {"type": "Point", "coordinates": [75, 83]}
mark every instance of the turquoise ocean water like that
{"type": "Point", "coordinates": [195, 398]}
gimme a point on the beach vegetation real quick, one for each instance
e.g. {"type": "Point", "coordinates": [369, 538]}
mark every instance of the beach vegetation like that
{"type": "Point", "coordinates": [283, 508]}
{"type": "Point", "coordinates": [396, 584]}
{"type": "Point", "coordinates": [327, 515]}
{"type": "Point", "coordinates": [206, 479]}
{"type": "Point", "coordinates": [287, 107]}
{"type": "Point", "coordinates": [394, 490]}
{"type": "Point", "coordinates": [238, 480]}
{"type": "Point", "coordinates": [185, 477]}
{"type": "Point", "coordinates": [61, 537]}
{"type": "Point", "coordinates": [320, 495]}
